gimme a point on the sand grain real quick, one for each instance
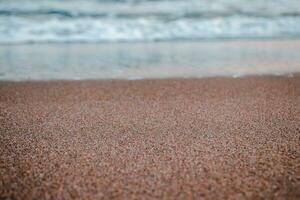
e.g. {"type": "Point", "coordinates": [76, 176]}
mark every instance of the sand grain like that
{"type": "Point", "coordinates": [216, 138]}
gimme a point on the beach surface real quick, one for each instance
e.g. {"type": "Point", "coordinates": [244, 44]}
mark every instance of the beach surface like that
{"type": "Point", "coordinates": [212, 138]}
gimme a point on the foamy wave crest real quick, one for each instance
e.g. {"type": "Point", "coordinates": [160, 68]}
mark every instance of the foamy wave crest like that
{"type": "Point", "coordinates": [16, 30]}
{"type": "Point", "coordinates": [145, 20]}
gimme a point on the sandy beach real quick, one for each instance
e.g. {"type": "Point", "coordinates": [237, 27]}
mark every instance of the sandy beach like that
{"type": "Point", "coordinates": [212, 138]}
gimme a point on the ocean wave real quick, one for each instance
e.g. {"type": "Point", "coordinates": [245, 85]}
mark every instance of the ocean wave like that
{"type": "Point", "coordinates": [15, 29]}
{"type": "Point", "coordinates": [145, 20]}
{"type": "Point", "coordinates": [155, 14]}
{"type": "Point", "coordinates": [142, 8]}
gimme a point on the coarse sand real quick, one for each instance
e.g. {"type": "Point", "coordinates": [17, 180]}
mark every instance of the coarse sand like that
{"type": "Point", "coordinates": [209, 138]}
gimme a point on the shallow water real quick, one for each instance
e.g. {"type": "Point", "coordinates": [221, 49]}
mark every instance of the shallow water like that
{"type": "Point", "coordinates": [148, 60]}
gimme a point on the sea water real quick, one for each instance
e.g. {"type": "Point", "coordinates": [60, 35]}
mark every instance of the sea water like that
{"type": "Point", "coordinates": [145, 20]}
{"type": "Point", "coordinates": [95, 39]}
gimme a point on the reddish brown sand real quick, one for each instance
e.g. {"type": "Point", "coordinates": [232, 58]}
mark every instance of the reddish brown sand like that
{"type": "Point", "coordinates": [216, 138]}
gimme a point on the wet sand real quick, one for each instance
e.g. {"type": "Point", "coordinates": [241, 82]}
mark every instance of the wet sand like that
{"type": "Point", "coordinates": [215, 138]}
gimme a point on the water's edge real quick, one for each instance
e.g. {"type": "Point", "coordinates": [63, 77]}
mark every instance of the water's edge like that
{"type": "Point", "coordinates": [149, 60]}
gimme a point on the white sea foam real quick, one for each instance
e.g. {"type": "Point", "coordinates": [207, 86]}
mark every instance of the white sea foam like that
{"type": "Point", "coordinates": [145, 20]}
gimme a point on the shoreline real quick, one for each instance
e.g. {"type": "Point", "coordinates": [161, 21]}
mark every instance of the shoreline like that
{"type": "Point", "coordinates": [149, 60]}
{"type": "Point", "coordinates": [37, 81]}
{"type": "Point", "coordinates": [215, 138]}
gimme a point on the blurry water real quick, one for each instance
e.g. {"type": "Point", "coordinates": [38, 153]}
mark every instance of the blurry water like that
{"type": "Point", "coordinates": [148, 60]}
{"type": "Point", "coordinates": [146, 20]}
{"type": "Point", "coordinates": [132, 39]}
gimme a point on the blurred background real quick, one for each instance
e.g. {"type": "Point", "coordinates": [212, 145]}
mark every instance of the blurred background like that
{"type": "Point", "coordinates": [133, 39]}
